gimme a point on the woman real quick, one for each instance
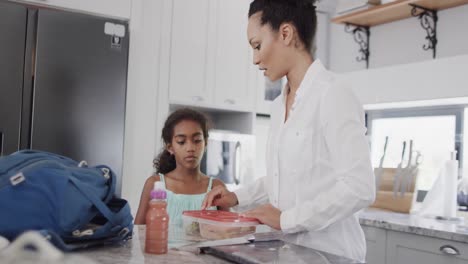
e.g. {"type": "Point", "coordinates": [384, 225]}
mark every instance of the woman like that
{"type": "Point", "coordinates": [319, 172]}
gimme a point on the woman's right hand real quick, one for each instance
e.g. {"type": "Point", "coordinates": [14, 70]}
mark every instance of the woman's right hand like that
{"type": "Point", "coordinates": [219, 196]}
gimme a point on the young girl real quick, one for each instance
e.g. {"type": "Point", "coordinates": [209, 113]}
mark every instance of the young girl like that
{"type": "Point", "coordinates": [185, 136]}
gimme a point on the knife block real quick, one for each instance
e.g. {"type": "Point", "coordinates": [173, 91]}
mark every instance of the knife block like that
{"type": "Point", "coordinates": [384, 198]}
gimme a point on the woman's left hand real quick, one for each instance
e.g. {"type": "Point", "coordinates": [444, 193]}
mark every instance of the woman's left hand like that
{"type": "Point", "coordinates": [267, 214]}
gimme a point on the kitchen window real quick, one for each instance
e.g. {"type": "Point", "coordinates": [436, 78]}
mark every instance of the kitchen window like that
{"type": "Point", "coordinates": [435, 132]}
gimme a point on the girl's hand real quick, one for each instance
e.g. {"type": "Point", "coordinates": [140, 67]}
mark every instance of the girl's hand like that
{"type": "Point", "coordinates": [267, 214]}
{"type": "Point", "coordinates": [219, 196]}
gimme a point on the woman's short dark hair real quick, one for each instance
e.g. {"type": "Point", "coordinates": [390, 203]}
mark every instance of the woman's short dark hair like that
{"type": "Point", "coordinates": [301, 13]}
{"type": "Point", "coordinates": [165, 162]}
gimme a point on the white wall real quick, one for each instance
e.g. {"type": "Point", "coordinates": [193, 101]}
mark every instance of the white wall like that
{"type": "Point", "coordinates": [431, 80]}
{"type": "Point", "coordinates": [400, 42]}
{"type": "Point", "coordinates": [400, 70]}
{"type": "Point", "coordinates": [141, 126]}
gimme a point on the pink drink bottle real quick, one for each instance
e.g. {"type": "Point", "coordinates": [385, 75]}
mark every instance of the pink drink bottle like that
{"type": "Point", "coordinates": [157, 221]}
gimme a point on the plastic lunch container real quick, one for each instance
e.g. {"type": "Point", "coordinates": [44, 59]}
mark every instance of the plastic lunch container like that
{"type": "Point", "coordinates": [213, 224]}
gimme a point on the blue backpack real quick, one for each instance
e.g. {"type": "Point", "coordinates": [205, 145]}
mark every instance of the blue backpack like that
{"type": "Point", "coordinates": [71, 204]}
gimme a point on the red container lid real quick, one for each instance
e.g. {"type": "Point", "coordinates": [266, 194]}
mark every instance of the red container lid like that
{"type": "Point", "coordinates": [220, 216]}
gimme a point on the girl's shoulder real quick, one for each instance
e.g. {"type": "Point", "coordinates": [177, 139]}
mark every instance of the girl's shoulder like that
{"type": "Point", "coordinates": [217, 182]}
{"type": "Point", "coordinates": [214, 181]}
{"type": "Point", "coordinates": [152, 179]}
{"type": "Point", "coordinates": [155, 177]}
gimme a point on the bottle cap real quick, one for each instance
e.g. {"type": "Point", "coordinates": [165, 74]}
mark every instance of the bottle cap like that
{"type": "Point", "coordinates": [159, 191]}
{"type": "Point", "coordinates": [158, 185]}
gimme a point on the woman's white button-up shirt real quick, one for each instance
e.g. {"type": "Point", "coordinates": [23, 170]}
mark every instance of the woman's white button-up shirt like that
{"type": "Point", "coordinates": [319, 172]}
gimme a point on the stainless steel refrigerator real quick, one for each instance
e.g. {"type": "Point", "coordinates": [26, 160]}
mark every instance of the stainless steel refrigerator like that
{"type": "Point", "coordinates": [63, 82]}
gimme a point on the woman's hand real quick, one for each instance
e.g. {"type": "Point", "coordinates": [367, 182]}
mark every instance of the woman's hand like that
{"type": "Point", "coordinates": [219, 196]}
{"type": "Point", "coordinates": [267, 214]}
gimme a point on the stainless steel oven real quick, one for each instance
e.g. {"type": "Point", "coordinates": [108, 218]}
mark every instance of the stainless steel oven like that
{"type": "Point", "coordinates": [230, 158]}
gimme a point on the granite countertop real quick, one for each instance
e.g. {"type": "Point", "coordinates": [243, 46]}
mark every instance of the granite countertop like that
{"type": "Point", "coordinates": [275, 251]}
{"type": "Point", "coordinates": [132, 252]}
{"type": "Point", "coordinates": [415, 224]}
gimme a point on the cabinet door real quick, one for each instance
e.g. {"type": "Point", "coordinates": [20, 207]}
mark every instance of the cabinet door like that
{"type": "Point", "coordinates": [12, 45]}
{"type": "Point", "coordinates": [376, 239]}
{"type": "Point", "coordinates": [232, 72]}
{"type": "Point", "coordinates": [189, 50]}
{"type": "Point", "coordinates": [404, 248]}
{"type": "Point", "coordinates": [120, 9]}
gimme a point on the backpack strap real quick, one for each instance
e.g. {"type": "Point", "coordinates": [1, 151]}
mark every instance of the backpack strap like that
{"type": "Point", "coordinates": [115, 220]}
{"type": "Point", "coordinates": [101, 206]}
{"type": "Point", "coordinates": [210, 184]}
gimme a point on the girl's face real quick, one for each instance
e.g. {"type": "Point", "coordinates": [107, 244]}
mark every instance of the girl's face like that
{"type": "Point", "coordinates": [269, 48]}
{"type": "Point", "coordinates": [188, 144]}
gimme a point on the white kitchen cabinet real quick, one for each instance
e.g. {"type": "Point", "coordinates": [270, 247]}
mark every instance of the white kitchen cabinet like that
{"type": "Point", "coordinates": [376, 240]}
{"type": "Point", "coordinates": [119, 9]}
{"type": "Point", "coordinates": [190, 47]}
{"type": "Point", "coordinates": [233, 75]}
{"type": "Point", "coordinates": [404, 248]}
{"type": "Point", "coordinates": [209, 57]}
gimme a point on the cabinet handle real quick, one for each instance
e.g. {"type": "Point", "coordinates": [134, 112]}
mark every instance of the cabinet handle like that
{"type": "Point", "coordinates": [230, 101]}
{"type": "Point", "coordinates": [197, 98]}
{"type": "Point", "coordinates": [449, 250]}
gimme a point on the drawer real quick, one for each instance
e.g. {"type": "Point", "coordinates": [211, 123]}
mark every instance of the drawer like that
{"type": "Point", "coordinates": [376, 240]}
{"type": "Point", "coordinates": [410, 248]}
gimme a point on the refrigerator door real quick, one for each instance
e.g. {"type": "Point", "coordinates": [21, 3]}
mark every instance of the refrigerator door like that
{"type": "Point", "coordinates": [80, 88]}
{"type": "Point", "coordinates": [12, 46]}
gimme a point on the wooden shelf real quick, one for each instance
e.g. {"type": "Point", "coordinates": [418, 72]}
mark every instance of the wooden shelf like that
{"type": "Point", "coordinates": [393, 11]}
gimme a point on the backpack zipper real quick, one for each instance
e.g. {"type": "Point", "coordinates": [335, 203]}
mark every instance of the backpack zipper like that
{"type": "Point", "coordinates": [6, 181]}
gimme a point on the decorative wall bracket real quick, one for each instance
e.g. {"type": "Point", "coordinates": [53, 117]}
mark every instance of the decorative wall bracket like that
{"type": "Point", "coordinates": [428, 19]}
{"type": "Point", "coordinates": [361, 36]}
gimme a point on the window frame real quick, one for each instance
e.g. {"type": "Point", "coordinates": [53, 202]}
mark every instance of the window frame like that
{"type": "Point", "coordinates": [458, 111]}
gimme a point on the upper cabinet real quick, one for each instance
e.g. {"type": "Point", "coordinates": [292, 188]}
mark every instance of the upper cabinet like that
{"type": "Point", "coordinates": [233, 65]}
{"type": "Point", "coordinates": [189, 52]}
{"type": "Point", "coordinates": [119, 9]}
{"type": "Point", "coordinates": [210, 59]}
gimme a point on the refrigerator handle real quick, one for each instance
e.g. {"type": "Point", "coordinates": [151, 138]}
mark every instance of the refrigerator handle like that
{"type": "Point", "coordinates": [237, 160]}
{"type": "Point", "coordinates": [1, 143]}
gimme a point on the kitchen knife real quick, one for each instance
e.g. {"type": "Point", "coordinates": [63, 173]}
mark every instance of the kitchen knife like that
{"type": "Point", "coordinates": [257, 237]}
{"type": "Point", "coordinates": [224, 242]}
{"type": "Point", "coordinates": [408, 169]}
{"type": "Point", "coordinates": [398, 173]}
{"type": "Point", "coordinates": [379, 171]}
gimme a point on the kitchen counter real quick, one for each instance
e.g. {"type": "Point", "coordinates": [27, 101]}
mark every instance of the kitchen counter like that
{"type": "Point", "coordinates": [444, 229]}
{"type": "Point", "coordinates": [132, 252]}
